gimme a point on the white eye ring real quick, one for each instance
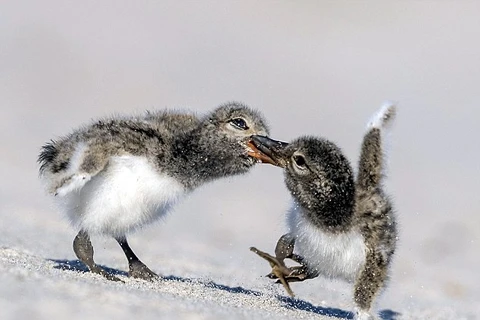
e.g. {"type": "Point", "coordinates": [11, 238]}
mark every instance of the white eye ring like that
{"type": "Point", "coordinates": [299, 161]}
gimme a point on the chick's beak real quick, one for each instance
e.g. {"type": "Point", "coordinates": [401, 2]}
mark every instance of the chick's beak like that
{"type": "Point", "coordinates": [267, 150]}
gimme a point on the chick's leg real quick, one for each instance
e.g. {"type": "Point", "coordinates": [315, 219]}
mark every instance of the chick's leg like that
{"type": "Point", "coordinates": [137, 269]}
{"type": "Point", "coordinates": [82, 246]}
{"type": "Point", "coordinates": [284, 274]}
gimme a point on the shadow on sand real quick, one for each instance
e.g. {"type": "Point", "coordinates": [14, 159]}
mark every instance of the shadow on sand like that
{"type": "Point", "coordinates": [287, 302]}
{"type": "Point", "coordinates": [292, 303]}
{"type": "Point", "coordinates": [78, 266]}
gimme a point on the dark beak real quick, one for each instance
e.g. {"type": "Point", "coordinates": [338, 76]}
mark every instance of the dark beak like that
{"type": "Point", "coordinates": [268, 150]}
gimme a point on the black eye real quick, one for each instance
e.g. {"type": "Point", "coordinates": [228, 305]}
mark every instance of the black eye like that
{"type": "Point", "coordinates": [299, 161]}
{"type": "Point", "coordinates": [239, 123]}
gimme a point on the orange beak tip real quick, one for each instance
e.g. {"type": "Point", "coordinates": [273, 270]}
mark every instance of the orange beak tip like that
{"type": "Point", "coordinates": [257, 154]}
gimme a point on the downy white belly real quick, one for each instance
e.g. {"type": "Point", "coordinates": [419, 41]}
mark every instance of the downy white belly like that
{"type": "Point", "coordinates": [339, 255]}
{"type": "Point", "coordinates": [129, 193]}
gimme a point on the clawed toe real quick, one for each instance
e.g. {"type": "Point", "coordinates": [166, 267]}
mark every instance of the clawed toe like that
{"type": "Point", "coordinates": [294, 274]}
{"type": "Point", "coordinates": [279, 270]}
{"type": "Point", "coordinates": [139, 270]}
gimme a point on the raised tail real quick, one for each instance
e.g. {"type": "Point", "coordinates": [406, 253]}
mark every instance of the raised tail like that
{"type": "Point", "coordinates": [372, 164]}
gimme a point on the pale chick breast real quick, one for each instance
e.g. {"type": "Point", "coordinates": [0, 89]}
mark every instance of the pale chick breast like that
{"type": "Point", "coordinates": [129, 193]}
{"type": "Point", "coordinates": [339, 255]}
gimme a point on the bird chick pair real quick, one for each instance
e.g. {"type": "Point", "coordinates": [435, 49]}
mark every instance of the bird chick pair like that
{"type": "Point", "coordinates": [117, 175]}
{"type": "Point", "coordinates": [339, 226]}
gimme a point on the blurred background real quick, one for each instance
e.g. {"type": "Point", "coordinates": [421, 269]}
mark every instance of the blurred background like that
{"type": "Point", "coordinates": [311, 67]}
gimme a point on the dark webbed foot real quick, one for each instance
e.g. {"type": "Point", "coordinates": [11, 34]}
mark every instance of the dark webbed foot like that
{"type": "Point", "coordinates": [82, 246]}
{"type": "Point", "coordinates": [284, 274]}
{"type": "Point", "coordinates": [136, 268]}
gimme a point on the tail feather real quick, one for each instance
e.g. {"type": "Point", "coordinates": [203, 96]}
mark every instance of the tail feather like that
{"type": "Point", "coordinates": [47, 155]}
{"type": "Point", "coordinates": [372, 165]}
{"type": "Point", "coordinates": [384, 117]}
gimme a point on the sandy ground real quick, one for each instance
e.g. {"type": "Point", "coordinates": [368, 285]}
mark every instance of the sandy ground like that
{"type": "Point", "coordinates": [318, 68]}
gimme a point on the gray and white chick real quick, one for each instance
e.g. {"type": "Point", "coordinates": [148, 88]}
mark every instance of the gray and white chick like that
{"type": "Point", "coordinates": [339, 227]}
{"type": "Point", "coordinates": [117, 175]}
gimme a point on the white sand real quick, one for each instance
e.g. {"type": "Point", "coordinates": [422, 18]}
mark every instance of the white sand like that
{"type": "Point", "coordinates": [311, 68]}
